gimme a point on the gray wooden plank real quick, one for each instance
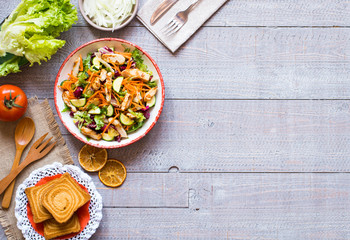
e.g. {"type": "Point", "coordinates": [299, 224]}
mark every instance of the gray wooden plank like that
{"type": "Point", "coordinates": [241, 136]}
{"type": "Point", "coordinates": [2, 234]}
{"type": "Point", "coordinates": [239, 63]}
{"type": "Point", "coordinates": [258, 13]}
{"type": "Point", "coordinates": [148, 190]}
{"type": "Point", "coordinates": [243, 206]}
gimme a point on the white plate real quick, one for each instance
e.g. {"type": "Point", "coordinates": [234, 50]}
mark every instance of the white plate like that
{"type": "Point", "coordinates": [95, 207]}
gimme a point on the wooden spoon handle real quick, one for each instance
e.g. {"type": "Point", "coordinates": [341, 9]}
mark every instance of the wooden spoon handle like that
{"type": "Point", "coordinates": [5, 182]}
{"type": "Point", "coordinates": [6, 200]}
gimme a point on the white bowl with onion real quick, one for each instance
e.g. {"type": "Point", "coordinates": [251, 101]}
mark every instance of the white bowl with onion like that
{"type": "Point", "coordinates": [108, 15]}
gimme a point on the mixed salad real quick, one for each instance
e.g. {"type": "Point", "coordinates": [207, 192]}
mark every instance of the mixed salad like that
{"type": "Point", "coordinates": [109, 93]}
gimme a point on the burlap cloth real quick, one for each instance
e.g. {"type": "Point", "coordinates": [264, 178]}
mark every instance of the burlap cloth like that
{"type": "Point", "coordinates": [43, 118]}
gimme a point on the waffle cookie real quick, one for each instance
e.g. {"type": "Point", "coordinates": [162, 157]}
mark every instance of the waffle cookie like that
{"type": "Point", "coordinates": [53, 229]}
{"type": "Point", "coordinates": [64, 197]}
{"type": "Point", "coordinates": [34, 195]}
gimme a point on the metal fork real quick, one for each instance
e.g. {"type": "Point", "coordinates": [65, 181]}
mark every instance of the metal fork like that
{"type": "Point", "coordinates": [179, 20]}
{"type": "Point", "coordinates": [36, 152]}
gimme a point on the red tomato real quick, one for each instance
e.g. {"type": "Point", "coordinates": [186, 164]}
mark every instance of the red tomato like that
{"type": "Point", "coordinates": [13, 103]}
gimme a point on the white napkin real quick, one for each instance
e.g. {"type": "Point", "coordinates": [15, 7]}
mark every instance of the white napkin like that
{"type": "Point", "coordinates": [203, 10]}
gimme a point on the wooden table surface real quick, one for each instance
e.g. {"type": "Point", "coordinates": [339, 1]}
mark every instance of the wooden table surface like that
{"type": "Point", "coordinates": [254, 138]}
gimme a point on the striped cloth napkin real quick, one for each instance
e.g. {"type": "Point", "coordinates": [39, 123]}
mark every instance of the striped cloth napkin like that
{"type": "Point", "coordinates": [196, 18]}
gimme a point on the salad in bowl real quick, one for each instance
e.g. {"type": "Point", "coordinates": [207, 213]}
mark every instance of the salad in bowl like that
{"type": "Point", "coordinates": [110, 95]}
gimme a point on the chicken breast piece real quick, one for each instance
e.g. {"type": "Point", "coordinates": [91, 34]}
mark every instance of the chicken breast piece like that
{"type": "Point", "coordinates": [76, 66]}
{"type": "Point", "coordinates": [137, 98]}
{"type": "Point", "coordinates": [96, 83]}
{"type": "Point", "coordinates": [114, 103]}
{"type": "Point", "coordinates": [126, 102]}
{"type": "Point", "coordinates": [108, 89]}
{"type": "Point", "coordinates": [136, 73]}
{"type": "Point", "coordinates": [103, 75]}
{"type": "Point", "coordinates": [96, 101]}
{"type": "Point", "coordinates": [131, 116]}
{"type": "Point", "coordinates": [148, 96]}
{"type": "Point", "coordinates": [90, 133]}
{"type": "Point", "coordinates": [114, 58]}
{"type": "Point", "coordinates": [65, 98]}
{"type": "Point", "coordinates": [119, 127]}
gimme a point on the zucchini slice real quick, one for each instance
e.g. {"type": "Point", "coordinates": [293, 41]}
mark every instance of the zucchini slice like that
{"type": "Point", "coordinates": [151, 102]}
{"type": "Point", "coordinates": [63, 82]}
{"type": "Point", "coordinates": [96, 110]}
{"type": "Point", "coordinates": [107, 137]}
{"type": "Point", "coordinates": [113, 132]}
{"type": "Point", "coordinates": [96, 63]}
{"type": "Point", "coordinates": [109, 111]}
{"type": "Point", "coordinates": [125, 120]}
{"type": "Point", "coordinates": [117, 83]}
{"type": "Point", "coordinates": [78, 102]}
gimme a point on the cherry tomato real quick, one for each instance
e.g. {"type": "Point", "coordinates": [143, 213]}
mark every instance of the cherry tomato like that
{"type": "Point", "coordinates": [13, 103]}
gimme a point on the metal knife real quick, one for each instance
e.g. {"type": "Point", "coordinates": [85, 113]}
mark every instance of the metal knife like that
{"type": "Point", "coordinates": [161, 10]}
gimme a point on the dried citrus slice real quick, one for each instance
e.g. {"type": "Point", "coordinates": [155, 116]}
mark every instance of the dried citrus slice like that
{"type": "Point", "coordinates": [92, 159]}
{"type": "Point", "coordinates": [113, 173]}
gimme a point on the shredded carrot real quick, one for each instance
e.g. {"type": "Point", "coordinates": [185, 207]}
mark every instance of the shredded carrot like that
{"type": "Point", "coordinates": [90, 99]}
{"type": "Point", "coordinates": [103, 104]}
{"type": "Point", "coordinates": [122, 98]}
{"type": "Point", "coordinates": [118, 69]}
{"type": "Point", "coordinates": [143, 95]}
{"type": "Point", "coordinates": [145, 85]}
{"type": "Point", "coordinates": [131, 89]}
{"type": "Point", "coordinates": [115, 67]}
{"type": "Point", "coordinates": [127, 55]}
{"type": "Point", "coordinates": [91, 76]}
{"type": "Point", "coordinates": [101, 96]}
{"type": "Point", "coordinates": [135, 82]}
{"type": "Point", "coordinates": [138, 105]}
{"type": "Point", "coordinates": [116, 112]}
{"type": "Point", "coordinates": [93, 95]}
{"type": "Point", "coordinates": [67, 85]}
{"type": "Point", "coordinates": [129, 64]}
{"type": "Point", "coordinates": [64, 85]}
{"type": "Point", "coordinates": [109, 125]}
{"type": "Point", "coordinates": [134, 109]}
{"type": "Point", "coordinates": [71, 96]}
{"type": "Point", "coordinates": [115, 98]}
{"type": "Point", "coordinates": [86, 87]}
{"type": "Point", "coordinates": [73, 77]}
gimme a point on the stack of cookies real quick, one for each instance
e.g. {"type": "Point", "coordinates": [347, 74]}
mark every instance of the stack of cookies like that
{"type": "Point", "coordinates": [55, 203]}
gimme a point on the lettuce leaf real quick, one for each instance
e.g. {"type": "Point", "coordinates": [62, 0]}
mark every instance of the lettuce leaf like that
{"type": "Point", "coordinates": [139, 115]}
{"type": "Point", "coordinates": [99, 121]}
{"type": "Point", "coordinates": [137, 56]}
{"type": "Point", "coordinates": [31, 30]}
{"type": "Point", "coordinates": [10, 66]}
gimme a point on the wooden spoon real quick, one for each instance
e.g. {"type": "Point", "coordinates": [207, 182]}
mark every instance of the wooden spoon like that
{"type": "Point", "coordinates": [23, 135]}
{"type": "Point", "coordinates": [37, 151]}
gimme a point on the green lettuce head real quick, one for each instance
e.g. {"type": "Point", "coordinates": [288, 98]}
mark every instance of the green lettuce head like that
{"type": "Point", "coordinates": [30, 32]}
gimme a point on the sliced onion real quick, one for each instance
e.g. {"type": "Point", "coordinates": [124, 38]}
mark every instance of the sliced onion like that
{"type": "Point", "coordinates": [108, 13]}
